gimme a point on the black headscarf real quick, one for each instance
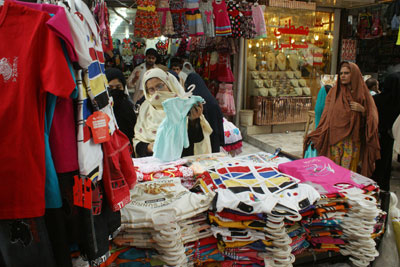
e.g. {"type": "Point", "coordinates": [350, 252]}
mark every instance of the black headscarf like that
{"type": "Point", "coordinates": [113, 73]}
{"type": "Point", "coordinates": [387, 102]}
{"type": "Point", "coordinates": [211, 110]}
{"type": "Point", "coordinates": [123, 106]}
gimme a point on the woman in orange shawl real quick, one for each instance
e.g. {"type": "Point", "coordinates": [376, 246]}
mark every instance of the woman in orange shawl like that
{"type": "Point", "coordinates": [348, 130]}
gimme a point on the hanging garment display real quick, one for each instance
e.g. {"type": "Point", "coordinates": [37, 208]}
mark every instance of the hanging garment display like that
{"type": "Point", "coordinates": [165, 18]}
{"type": "Point", "coordinates": [221, 19]}
{"type": "Point", "coordinates": [102, 17]}
{"type": "Point", "coordinates": [249, 29]}
{"type": "Point", "coordinates": [193, 18]}
{"type": "Point", "coordinates": [22, 198]}
{"type": "Point", "coordinates": [224, 68]}
{"type": "Point", "coordinates": [119, 174]}
{"type": "Point", "coordinates": [179, 19]}
{"type": "Point", "coordinates": [147, 24]}
{"type": "Point", "coordinates": [225, 99]}
{"type": "Point", "coordinates": [207, 17]}
{"type": "Point", "coordinates": [259, 21]}
{"type": "Point", "coordinates": [236, 18]}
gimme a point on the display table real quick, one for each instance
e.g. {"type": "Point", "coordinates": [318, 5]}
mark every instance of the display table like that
{"type": "Point", "coordinates": [212, 209]}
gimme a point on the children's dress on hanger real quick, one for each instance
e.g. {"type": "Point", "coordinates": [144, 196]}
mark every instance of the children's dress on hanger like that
{"type": "Point", "coordinates": [236, 19]}
{"type": "Point", "coordinates": [165, 18]}
{"type": "Point", "coordinates": [259, 21]}
{"type": "Point", "coordinates": [249, 28]}
{"type": "Point", "coordinates": [225, 99]}
{"type": "Point", "coordinates": [193, 18]}
{"type": "Point", "coordinates": [224, 71]}
{"type": "Point", "coordinates": [172, 135]}
{"type": "Point", "coordinates": [221, 19]}
{"type": "Point", "coordinates": [207, 17]}
{"type": "Point", "coordinates": [178, 18]}
{"type": "Point", "coordinates": [147, 24]}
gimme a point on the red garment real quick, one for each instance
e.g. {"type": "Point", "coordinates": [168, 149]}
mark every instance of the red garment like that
{"type": "Point", "coordinates": [237, 217]}
{"type": "Point", "coordinates": [119, 174]}
{"type": "Point", "coordinates": [31, 64]}
{"type": "Point", "coordinates": [64, 148]}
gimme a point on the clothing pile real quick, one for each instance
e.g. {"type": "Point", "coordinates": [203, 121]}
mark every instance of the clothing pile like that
{"type": "Point", "coordinates": [347, 217]}
{"type": "Point", "coordinates": [164, 215]}
{"type": "Point", "coordinates": [298, 235]}
{"type": "Point", "coordinates": [150, 168]}
{"type": "Point", "coordinates": [252, 201]}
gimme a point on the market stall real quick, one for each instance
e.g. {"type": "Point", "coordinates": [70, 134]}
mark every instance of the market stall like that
{"type": "Point", "coordinates": [261, 209]}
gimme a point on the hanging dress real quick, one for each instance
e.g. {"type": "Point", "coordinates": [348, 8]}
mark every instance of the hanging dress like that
{"type": "Point", "coordinates": [259, 21]}
{"type": "Point", "coordinates": [224, 68]}
{"type": "Point", "coordinates": [221, 19]}
{"type": "Point", "coordinates": [225, 99]}
{"type": "Point", "coordinates": [147, 24]}
{"type": "Point", "coordinates": [207, 17]}
{"type": "Point", "coordinates": [193, 18]}
{"type": "Point", "coordinates": [165, 18]}
{"type": "Point", "coordinates": [249, 29]}
{"type": "Point", "coordinates": [236, 19]}
{"type": "Point", "coordinates": [179, 19]}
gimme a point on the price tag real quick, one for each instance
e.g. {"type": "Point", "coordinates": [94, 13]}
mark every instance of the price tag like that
{"type": "Point", "coordinates": [98, 123]}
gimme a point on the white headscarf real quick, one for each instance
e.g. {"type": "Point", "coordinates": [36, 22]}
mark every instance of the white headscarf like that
{"type": "Point", "coordinates": [151, 112]}
{"type": "Point", "coordinates": [187, 68]}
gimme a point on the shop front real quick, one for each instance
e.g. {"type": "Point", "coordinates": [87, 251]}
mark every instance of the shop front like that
{"type": "Point", "coordinates": [282, 78]}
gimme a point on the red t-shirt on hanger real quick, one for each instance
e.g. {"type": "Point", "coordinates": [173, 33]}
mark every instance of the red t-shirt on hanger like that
{"type": "Point", "coordinates": [31, 63]}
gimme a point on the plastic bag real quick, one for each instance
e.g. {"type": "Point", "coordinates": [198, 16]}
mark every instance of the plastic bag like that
{"type": "Point", "coordinates": [389, 252]}
{"type": "Point", "coordinates": [311, 152]}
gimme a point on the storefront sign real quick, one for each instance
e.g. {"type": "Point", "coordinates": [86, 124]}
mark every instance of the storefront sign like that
{"type": "Point", "coordinates": [291, 45]}
{"type": "Point", "coordinates": [291, 29]}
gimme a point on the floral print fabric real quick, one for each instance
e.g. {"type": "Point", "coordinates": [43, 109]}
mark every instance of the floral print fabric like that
{"type": "Point", "coordinates": [346, 153]}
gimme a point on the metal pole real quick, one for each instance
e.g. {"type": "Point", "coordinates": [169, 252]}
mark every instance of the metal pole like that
{"type": "Point", "coordinates": [241, 72]}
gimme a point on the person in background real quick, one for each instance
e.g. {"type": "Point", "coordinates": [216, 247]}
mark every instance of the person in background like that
{"type": "Point", "coordinates": [348, 130]}
{"type": "Point", "coordinates": [123, 107]}
{"type": "Point", "coordinates": [187, 68]}
{"type": "Point", "coordinates": [319, 108]}
{"type": "Point", "coordinates": [211, 110]}
{"type": "Point", "coordinates": [388, 105]}
{"type": "Point", "coordinates": [320, 104]}
{"type": "Point", "coordinates": [136, 77]}
{"type": "Point", "coordinates": [159, 86]}
{"type": "Point", "coordinates": [373, 86]}
{"type": "Point", "coordinates": [176, 65]}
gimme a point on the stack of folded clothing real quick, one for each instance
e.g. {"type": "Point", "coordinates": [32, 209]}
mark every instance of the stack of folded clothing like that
{"type": "Point", "coordinates": [299, 238]}
{"type": "Point", "coordinates": [323, 223]}
{"type": "Point", "coordinates": [164, 215]}
{"type": "Point", "coordinates": [347, 202]}
{"type": "Point", "coordinates": [203, 251]}
{"type": "Point", "coordinates": [253, 199]}
{"type": "Point", "coordinates": [149, 169]}
{"type": "Point", "coordinates": [358, 227]}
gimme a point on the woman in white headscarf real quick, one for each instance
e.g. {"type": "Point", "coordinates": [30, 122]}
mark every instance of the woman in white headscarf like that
{"type": "Point", "coordinates": [159, 86]}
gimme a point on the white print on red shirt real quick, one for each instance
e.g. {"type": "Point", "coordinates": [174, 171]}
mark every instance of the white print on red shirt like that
{"type": "Point", "coordinates": [7, 70]}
